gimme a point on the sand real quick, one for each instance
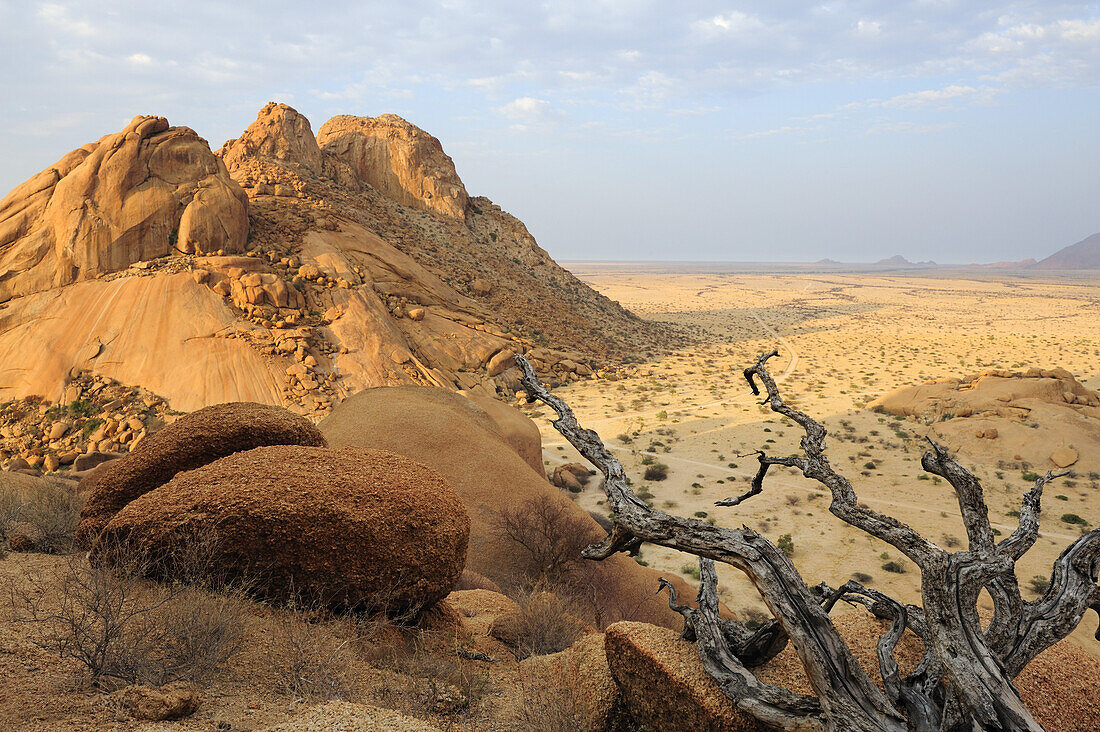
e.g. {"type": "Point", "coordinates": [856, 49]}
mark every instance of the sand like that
{"type": "Point", "coordinates": [843, 340]}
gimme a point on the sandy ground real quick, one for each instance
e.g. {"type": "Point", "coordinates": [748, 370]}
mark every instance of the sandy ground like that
{"type": "Point", "coordinates": [843, 340]}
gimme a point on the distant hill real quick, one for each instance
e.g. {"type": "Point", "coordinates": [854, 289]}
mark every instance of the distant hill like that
{"type": "Point", "coordinates": [898, 261]}
{"type": "Point", "coordinates": [1085, 254]}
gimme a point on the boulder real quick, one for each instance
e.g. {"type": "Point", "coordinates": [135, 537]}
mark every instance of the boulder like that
{"type": "Point", "coordinates": [580, 673]}
{"type": "Point", "coordinates": [93, 459]}
{"type": "Point", "coordinates": [480, 286]}
{"type": "Point", "coordinates": [571, 476]}
{"type": "Point", "coordinates": [352, 529]}
{"type": "Point", "coordinates": [148, 191]}
{"type": "Point", "coordinates": [1063, 457]}
{"type": "Point", "coordinates": [193, 440]}
{"type": "Point", "coordinates": [399, 159]}
{"type": "Point", "coordinates": [501, 362]}
{"type": "Point", "coordinates": [517, 428]}
{"type": "Point", "coordinates": [172, 701]}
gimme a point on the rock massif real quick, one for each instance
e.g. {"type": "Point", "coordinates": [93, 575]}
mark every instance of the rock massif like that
{"type": "Point", "coordinates": [282, 270]}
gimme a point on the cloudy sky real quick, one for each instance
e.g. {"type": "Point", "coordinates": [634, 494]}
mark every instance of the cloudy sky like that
{"type": "Point", "coordinates": [954, 130]}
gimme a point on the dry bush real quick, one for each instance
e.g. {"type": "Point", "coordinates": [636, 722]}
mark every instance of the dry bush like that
{"type": "Point", "coordinates": [48, 508]}
{"type": "Point", "coordinates": [545, 538]}
{"type": "Point", "coordinates": [429, 677]}
{"type": "Point", "coordinates": [541, 541]}
{"type": "Point", "coordinates": [542, 625]}
{"type": "Point", "coordinates": [307, 661]}
{"type": "Point", "coordinates": [548, 707]}
{"type": "Point", "coordinates": [124, 629]}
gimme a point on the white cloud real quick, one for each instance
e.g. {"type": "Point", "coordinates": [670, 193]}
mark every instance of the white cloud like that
{"type": "Point", "coordinates": [868, 28]}
{"type": "Point", "coordinates": [140, 59]}
{"type": "Point", "coordinates": [529, 112]}
{"type": "Point", "coordinates": [939, 97]}
{"type": "Point", "coordinates": [733, 23]}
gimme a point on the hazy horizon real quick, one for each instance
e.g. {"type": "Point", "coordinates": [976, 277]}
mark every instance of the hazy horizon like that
{"type": "Point", "coordinates": [633, 131]}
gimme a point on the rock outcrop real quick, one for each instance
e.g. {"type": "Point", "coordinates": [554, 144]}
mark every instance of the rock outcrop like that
{"type": "Point", "coordinates": [148, 191]}
{"type": "Point", "coordinates": [1042, 417]}
{"type": "Point", "coordinates": [279, 134]}
{"type": "Point", "coordinates": [195, 440]}
{"type": "Point", "coordinates": [352, 529]}
{"type": "Point", "coordinates": [283, 271]}
{"type": "Point", "coordinates": [399, 159]}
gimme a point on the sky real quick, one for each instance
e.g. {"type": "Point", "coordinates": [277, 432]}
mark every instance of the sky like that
{"type": "Point", "coordinates": [951, 130]}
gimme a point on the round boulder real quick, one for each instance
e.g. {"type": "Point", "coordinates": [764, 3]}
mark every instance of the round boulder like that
{"type": "Point", "coordinates": [190, 442]}
{"type": "Point", "coordinates": [353, 529]}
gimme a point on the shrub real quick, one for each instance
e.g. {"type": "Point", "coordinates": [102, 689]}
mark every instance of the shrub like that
{"type": "Point", "coordinates": [786, 545]}
{"type": "Point", "coordinates": [124, 629]}
{"type": "Point", "coordinates": [657, 471]}
{"type": "Point", "coordinates": [1072, 518]}
{"type": "Point", "coordinates": [895, 567]}
{"type": "Point", "coordinates": [49, 509]}
{"type": "Point", "coordinates": [862, 577]}
{"type": "Point", "coordinates": [1038, 584]}
{"type": "Point", "coordinates": [307, 661]}
{"type": "Point", "coordinates": [690, 570]}
{"type": "Point", "coordinates": [541, 626]}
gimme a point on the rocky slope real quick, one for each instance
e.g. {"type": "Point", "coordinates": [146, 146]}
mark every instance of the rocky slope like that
{"type": "Point", "coordinates": [282, 271]}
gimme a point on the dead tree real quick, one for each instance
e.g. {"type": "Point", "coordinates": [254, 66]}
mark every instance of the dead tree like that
{"type": "Point", "coordinates": [964, 680]}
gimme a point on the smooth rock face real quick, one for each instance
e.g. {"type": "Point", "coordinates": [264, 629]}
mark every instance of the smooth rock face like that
{"type": "Point", "coordinates": [350, 528]}
{"type": "Point", "coordinates": [194, 440]}
{"type": "Point", "coordinates": [279, 133]}
{"type": "Point", "coordinates": [145, 192]}
{"type": "Point", "coordinates": [399, 159]}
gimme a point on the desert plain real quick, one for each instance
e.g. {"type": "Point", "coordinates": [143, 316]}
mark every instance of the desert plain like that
{"type": "Point", "coordinates": [844, 339]}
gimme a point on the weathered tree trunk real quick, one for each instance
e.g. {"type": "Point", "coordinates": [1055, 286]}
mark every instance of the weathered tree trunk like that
{"type": "Point", "coordinates": [964, 680]}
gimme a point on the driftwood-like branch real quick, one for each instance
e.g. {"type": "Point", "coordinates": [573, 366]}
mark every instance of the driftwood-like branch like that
{"type": "Point", "coordinates": [964, 680]}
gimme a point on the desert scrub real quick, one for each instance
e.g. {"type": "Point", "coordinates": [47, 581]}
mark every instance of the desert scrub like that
{"type": "Point", "coordinates": [124, 629]}
{"type": "Point", "coordinates": [786, 545]}
{"type": "Point", "coordinates": [46, 511]}
{"type": "Point", "coordinates": [656, 471]}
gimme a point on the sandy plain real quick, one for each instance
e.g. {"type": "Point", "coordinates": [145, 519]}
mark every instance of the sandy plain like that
{"type": "Point", "coordinates": [844, 339]}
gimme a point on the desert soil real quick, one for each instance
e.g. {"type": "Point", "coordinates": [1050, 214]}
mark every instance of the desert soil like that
{"type": "Point", "coordinates": [843, 340]}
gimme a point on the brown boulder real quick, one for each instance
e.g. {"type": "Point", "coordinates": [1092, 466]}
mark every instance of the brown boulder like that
{"type": "Point", "coordinates": [193, 440]}
{"type": "Point", "coordinates": [1063, 457]}
{"type": "Point", "coordinates": [145, 192]}
{"type": "Point", "coordinates": [571, 476]}
{"type": "Point", "coordinates": [350, 528]}
{"type": "Point", "coordinates": [399, 159]}
{"type": "Point", "coordinates": [172, 701]}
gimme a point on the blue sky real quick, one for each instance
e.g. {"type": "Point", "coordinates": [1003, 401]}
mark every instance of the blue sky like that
{"type": "Point", "coordinates": [782, 131]}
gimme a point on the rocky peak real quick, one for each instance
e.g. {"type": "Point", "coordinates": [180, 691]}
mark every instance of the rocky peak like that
{"type": "Point", "coordinates": [398, 159]}
{"type": "Point", "coordinates": [147, 191]}
{"type": "Point", "coordinates": [279, 133]}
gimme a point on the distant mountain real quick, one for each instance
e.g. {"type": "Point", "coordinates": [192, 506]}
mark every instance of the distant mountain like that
{"type": "Point", "coordinates": [898, 261]}
{"type": "Point", "coordinates": [827, 261]}
{"type": "Point", "coordinates": [1085, 254]}
{"type": "Point", "coordinates": [1022, 264]}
